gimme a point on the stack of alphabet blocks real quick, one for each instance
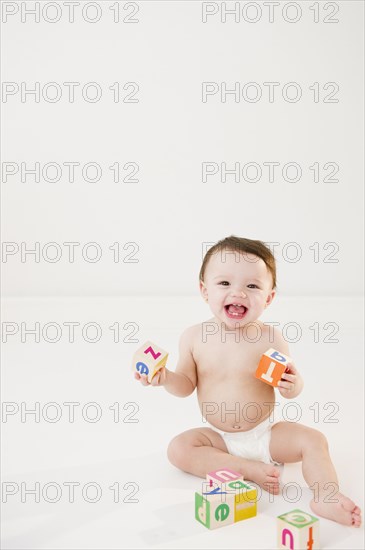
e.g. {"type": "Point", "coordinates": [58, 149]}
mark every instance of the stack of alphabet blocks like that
{"type": "Point", "coordinates": [225, 499]}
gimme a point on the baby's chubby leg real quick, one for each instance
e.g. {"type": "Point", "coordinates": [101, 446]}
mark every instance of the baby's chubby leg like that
{"type": "Point", "coordinates": [202, 450]}
{"type": "Point", "coordinates": [292, 442]}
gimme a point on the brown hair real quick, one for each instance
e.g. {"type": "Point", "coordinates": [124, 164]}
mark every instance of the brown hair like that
{"type": "Point", "coordinates": [243, 246]}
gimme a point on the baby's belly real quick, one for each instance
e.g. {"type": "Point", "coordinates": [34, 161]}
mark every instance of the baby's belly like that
{"type": "Point", "coordinates": [240, 411]}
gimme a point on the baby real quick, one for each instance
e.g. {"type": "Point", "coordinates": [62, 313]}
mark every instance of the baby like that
{"type": "Point", "coordinates": [219, 358]}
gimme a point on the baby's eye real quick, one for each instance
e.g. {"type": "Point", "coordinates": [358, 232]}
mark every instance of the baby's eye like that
{"type": "Point", "coordinates": [224, 283]}
{"type": "Point", "coordinates": [253, 285]}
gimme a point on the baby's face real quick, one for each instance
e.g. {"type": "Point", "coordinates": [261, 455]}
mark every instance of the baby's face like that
{"type": "Point", "coordinates": [238, 287]}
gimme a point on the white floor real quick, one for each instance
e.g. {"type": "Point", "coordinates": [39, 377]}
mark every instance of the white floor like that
{"type": "Point", "coordinates": [130, 456]}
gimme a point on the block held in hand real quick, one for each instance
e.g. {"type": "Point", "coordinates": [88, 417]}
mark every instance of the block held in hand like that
{"type": "Point", "coordinates": [271, 367]}
{"type": "Point", "coordinates": [149, 359]}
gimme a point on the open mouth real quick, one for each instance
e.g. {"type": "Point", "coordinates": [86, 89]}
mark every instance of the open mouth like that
{"type": "Point", "coordinates": [235, 311]}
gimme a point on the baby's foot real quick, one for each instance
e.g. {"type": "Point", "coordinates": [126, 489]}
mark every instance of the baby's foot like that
{"type": "Point", "coordinates": [344, 511]}
{"type": "Point", "coordinates": [265, 475]}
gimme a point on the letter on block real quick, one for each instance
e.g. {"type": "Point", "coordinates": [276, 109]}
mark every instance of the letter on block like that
{"type": "Point", "coordinates": [149, 359]}
{"type": "Point", "coordinates": [298, 530]}
{"type": "Point", "coordinates": [225, 499]}
{"type": "Point", "coordinates": [217, 481]}
{"type": "Point", "coordinates": [271, 367]}
{"type": "Point", "coordinates": [212, 511]}
{"type": "Point", "coordinates": [222, 476]}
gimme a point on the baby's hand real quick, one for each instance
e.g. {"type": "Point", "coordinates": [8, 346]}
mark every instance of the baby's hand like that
{"type": "Point", "coordinates": [158, 380]}
{"type": "Point", "coordinates": [291, 383]}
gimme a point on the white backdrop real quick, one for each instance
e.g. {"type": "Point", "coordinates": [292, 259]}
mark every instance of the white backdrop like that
{"type": "Point", "coordinates": [185, 98]}
{"type": "Point", "coordinates": [303, 106]}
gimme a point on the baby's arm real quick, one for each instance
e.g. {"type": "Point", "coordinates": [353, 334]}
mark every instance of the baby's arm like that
{"type": "Point", "coordinates": [291, 383]}
{"type": "Point", "coordinates": [183, 381]}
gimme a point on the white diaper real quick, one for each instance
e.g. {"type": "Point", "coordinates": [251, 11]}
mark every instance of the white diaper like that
{"type": "Point", "coordinates": [253, 444]}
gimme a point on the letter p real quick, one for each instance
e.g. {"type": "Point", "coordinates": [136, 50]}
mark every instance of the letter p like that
{"type": "Point", "coordinates": [8, 328]}
{"type": "Point", "coordinates": [208, 329]}
{"type": "Point", "coordinates": [209, 88]}
{"type": "Point", "coordinates": [8, 8]}
{"type": "Point", "coordinates": [208, 8]}
{"type": "Point", "coordinates": [9, 88]}
{"type": "Point", "coordinates": [9, 169]}
{"type": "Point", "coordinates": [9, 249]}
{"type": "Point", "coordinates": [209, 407]}
{"type": "Point", "coordinates": [9, 408]}
{"type": "Point", "coordinates": [8, 488]}
{"type": "Point", "coordinates": [209, 169]}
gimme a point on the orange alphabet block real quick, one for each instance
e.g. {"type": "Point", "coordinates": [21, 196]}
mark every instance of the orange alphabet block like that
{"type": "Point", "coordinates": [271, 367]}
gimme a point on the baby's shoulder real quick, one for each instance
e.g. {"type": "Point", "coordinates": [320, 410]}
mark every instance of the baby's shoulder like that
{"type": "Point", "coordinates": [191, 337]}
{"type": "Point", "coordinates": [272, 338]}
{"type": "Point", "coordinates": [191, 332]}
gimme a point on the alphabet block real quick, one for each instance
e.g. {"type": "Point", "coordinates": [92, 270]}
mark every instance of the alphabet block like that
{"type": "Point", "coordinates": [149, 359]}
{"type": "Point", "coordinates": [225, 499]}
{"type": "Point", "coordinates": [222, 476]}
{"type": "Point", "coordinates": [298, 530]}
{"type": "Point", "coordinates": [271, 366]}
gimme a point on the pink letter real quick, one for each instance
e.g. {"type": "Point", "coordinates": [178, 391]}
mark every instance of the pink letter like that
{"type": "Point", "coordinates": [150, 350]}
{"type": "Point", "coordinates": [283, 537]}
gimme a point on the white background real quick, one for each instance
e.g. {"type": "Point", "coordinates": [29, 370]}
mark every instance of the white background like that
{"type": "Point", "coordinates": [171, 215]}
{"type": "Point", "coordinates": [169, 133]}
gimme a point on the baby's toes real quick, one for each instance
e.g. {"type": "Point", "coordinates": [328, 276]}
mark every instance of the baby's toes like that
{"type": "Point", "coordinates": [272, 485]}
{"type": "Point", "coordinates": [272, 471]}
{"type": "Point", "coordinates": [273, 480]}
{"type": "Point", "coordinates": [272, 489]}
{"type": "Point", "coordinates": [356, 517]}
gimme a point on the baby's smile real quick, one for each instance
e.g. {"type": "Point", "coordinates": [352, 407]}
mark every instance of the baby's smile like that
{"type": "Point", "coordinates": [235, 311]}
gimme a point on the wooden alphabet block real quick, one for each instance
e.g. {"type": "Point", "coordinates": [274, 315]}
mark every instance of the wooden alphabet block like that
{"type": "Point", "coordinates": [224, 475]}
{"type": "Point", "coordinates": [212, 512]}
{"type": "Point", "coordinates": [149, 359]}
{"type": "Point", "coordinates": [225, 499]}
{"type": "Point", "coordinates": [271, 367]}
{"type": "Point", "coordinates": [298, 530]}
{"type": "Point", "coordinates": [245, 504]}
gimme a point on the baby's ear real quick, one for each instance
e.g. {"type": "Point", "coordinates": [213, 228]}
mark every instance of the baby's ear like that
{"type": "Point", "coordinates": [270, 298]}
{"type": "Point", "coordinates": [203, 290]}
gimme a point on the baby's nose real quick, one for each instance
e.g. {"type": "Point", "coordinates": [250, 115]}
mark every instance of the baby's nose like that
{"type": "Point", "coordinates": [239, 293]}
